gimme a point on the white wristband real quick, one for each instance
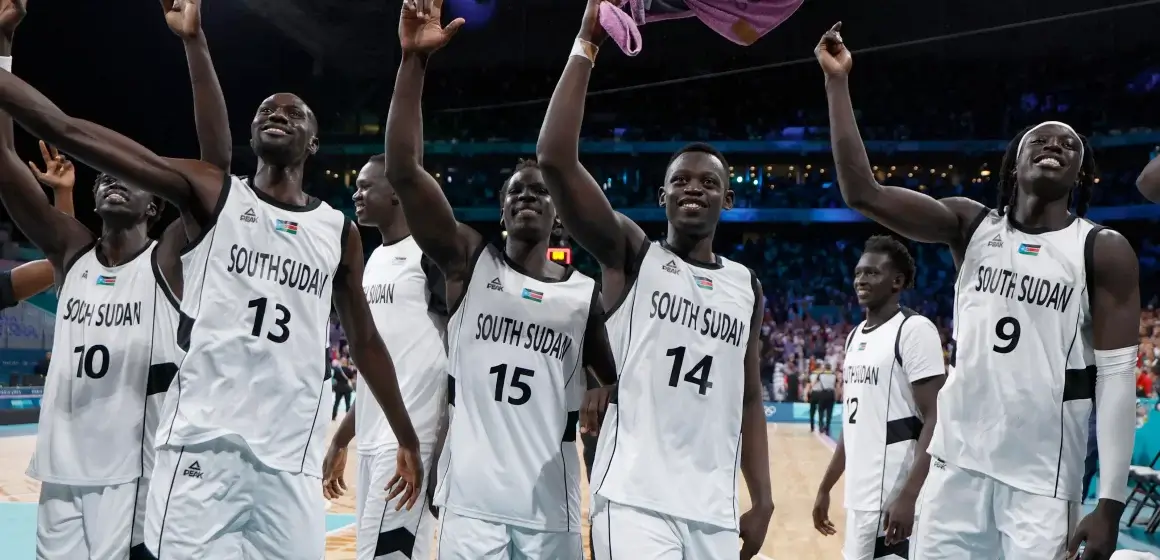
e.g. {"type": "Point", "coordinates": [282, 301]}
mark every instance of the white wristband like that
{"type": "Point", "coordinates": [6, 63]}
{"type": "Point", "coordinates": [584, 49]}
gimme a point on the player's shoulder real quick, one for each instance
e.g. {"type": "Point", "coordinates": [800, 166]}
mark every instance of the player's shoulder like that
{"type": "Point", "coordinates": [915, 322]}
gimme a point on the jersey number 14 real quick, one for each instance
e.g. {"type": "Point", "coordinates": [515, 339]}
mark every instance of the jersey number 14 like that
{"type": "Point", "coordinates": [697, 375]}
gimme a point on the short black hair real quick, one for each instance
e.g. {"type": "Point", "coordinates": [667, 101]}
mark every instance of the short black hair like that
{"type": "Point", "coordinates": [1081, 195]}
{"type": "Point", "coordinates": [898, 254]}
{"type": "Point", "coordinates": [521, 165]}
{"type": "Point", "coordinates": [704, 148]}
{"type": "Point", "coordinates": [380, 159]}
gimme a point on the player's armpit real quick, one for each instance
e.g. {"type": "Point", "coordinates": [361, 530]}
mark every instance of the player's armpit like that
{"type": "Point", "coordinates": [597, 350]}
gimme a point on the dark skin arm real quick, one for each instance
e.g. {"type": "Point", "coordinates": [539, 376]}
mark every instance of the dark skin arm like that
{"type": "Point", "coordinates": [926, 399]}
{"type": "Point", "coordinates": [754, 443]}
{"type": "Point", "coordinates": [1149, 180]}
{"type": "Point", "coordinates": [445, 241]}
{"type": "Point", "coordinates": [599, 360]}
{"type": "Point", "coordinates": [834, 471]}
{"type": "Point", "coordinates": [908, 213]}
{"type": "Point", "coordinates": [31, 278]}
{"type": "Point", "coordinates": [370, 354]}
{"type": "Point", "coordinates": [580, 202]}
{"type": "Point", "coordinates": [209, 104]}
{"type": "Point", "coordinates": [169, 247]}
{"type": "Point", "coordinates": [1115, 302]}
{"type": "Point", "coordinates": [192, 185]}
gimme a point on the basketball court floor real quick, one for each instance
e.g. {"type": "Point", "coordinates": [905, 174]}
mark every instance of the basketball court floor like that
{"type": "Point", "coordinates": [797, 459]}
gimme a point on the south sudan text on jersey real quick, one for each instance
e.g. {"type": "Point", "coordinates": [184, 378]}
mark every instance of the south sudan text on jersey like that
{"type": "Point", "coordinates": [861, 374]}
{"type": "Point", "coordinates": [380, 293]}
{"type": "Point", "coordinates": [278, 269]}
{"type": "Point", "coordinates": [125, 314]}
{"type": "Point", "coordinates": [704, 320]}
{"type": "Point", "coordinates": [530, 336]}
{"type": "Point", "coordinates": [1023, 287]}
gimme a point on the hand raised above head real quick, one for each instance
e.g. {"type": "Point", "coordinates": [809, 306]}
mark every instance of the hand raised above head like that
{"type": "Point", "coordinates": [12, 12]}
{"type": "Point", "coordinates": [420, 27]}
{"type": "Point", "coordinates": [832, 53]}
{"type": "Point", "coordinates": [183, 17]}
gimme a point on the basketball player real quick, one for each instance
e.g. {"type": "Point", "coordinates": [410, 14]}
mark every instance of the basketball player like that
{"type": "Point", "coordinates": [29, 279]}
{"type": "Point", "coordinates": [893, 372]}
{"type": "Point", "coordinates": [685, 323]}
{"type": "Point", "coordinates": [405, 291]}
{"type": "Point", "coordinates": [1046, 312]}
{"type": "Point", "coordinates": [264, 262]}
{"type": "Point", "coordinates": [521, 330]}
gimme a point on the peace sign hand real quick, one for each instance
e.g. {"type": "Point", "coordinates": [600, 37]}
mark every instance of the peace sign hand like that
{"type": "Point", "coordinates": [59, 173]}
{"type": "Point", "coordinates": [183, 17]}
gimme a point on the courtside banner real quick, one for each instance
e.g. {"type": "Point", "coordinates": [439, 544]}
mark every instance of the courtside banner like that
{"type": "Point", "coordinates": [794, 412]}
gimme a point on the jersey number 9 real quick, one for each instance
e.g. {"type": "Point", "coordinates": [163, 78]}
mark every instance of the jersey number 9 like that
{"type": "Point", "coordinates": [1008, 331]}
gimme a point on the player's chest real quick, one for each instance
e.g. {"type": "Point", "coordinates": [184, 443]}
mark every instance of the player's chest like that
{"type": "Point", "coordinates": [868, 364]}
{"type": "Point", "coordinates": [394, 284]}
{"type": "Point", "coordinates": [254, 236]}
{"type": "Point", "coordinates": [694, 303]}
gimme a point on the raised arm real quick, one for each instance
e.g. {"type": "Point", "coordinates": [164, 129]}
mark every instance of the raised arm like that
{"type": "Point", "coordinates": [580, 202]}
{"type": "Point", "coordinates": [55, 233]}
{"type": "Point", "coordinates": [1149, 180]}
{"type": "Point", "coordinates": [189, 184]}
{"type": "Point", "coordinates": [59, 174]}
{"type": "Point", "coordinates": [755, 440]}
{"type": "Point", "coordinates": [908, 213]}
{"type": "Point", "coordinates": [372, 359]}
{"type": "Point", "coordinates": [209, 105]}
{"type": "Point", "coordinates": [26, 281]}
{"type": "Point", "coordinates": [428, 212]}
{"type": "Point", "coordinates": [1115, 303]}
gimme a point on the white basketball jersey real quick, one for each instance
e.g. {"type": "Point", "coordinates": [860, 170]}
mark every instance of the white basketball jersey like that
{"type": "Point", "coordinates": [258, 297]}
{"type": "Point", "coordinates": [672, 444]}
{"type": "Point", "coordinates": [1016, 405]}
{"type": "Point", "coordinates": [515, 345]}
{"type": "Point", "coordinates": [399, 294]}
{"type": "Point", "coordinates": [114, 355]}
{"type": "Point", "coordinates": [882, 424]}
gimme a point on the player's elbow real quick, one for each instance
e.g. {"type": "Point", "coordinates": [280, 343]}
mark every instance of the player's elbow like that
{"type": "Point", "coordinates": [1148, 183]}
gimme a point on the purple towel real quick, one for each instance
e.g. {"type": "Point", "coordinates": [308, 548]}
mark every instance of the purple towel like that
{"type": "Point", "coordinates": [740, 21]}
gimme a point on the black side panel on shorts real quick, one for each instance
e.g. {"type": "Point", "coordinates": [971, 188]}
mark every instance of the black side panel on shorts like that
{"type": "Point", "coordinates": [901, 550]}
{"type": "Point", "coordinates": [395, 540]}
{"type": "Point", "coordinates": [184, 331]}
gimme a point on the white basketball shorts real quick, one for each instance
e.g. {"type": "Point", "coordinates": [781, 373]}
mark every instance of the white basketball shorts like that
{"type": "Point", "coordinates": [467, 538]}
{"type": "Point", "coordinates": [621, 532]}
{"type": "Point", "coordinates": [964, 514]}
{"type": "Point", "coordinates": [383, 533]}
{"type": "Point", "coordinates": [866, 539]}
{"type": "Point", "coordinates": [216, 500]}
{"type": "Point", "coordinates": [91, 521]}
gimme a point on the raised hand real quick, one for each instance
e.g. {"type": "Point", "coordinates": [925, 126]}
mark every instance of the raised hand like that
{"type": "Point", "coordinates": [59, 173]}
{"type": "Point", "coordinates": [832, 54]}
{"type": "Point", "coordinates": [12, 12]}
{"type": "Point", "coordinates": [425, 34]}
{"type": "Point", "coordinates": [590, 28]}
{"type": "Point", "coordinates": [183, 17]}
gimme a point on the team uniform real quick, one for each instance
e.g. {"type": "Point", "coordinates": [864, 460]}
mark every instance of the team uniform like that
{"type": "Point", "coordinates": [665, 478]}
{"type": "Point", "coordinates": [404, 291]}
{"type": "Point", "coordinates": [115, 348]}
{"type": "Point", "coordinates": [239, 455]}
{"type": "Point", "coordinates": [510, 474]}
{"type": "Point", "coordinates": [1008, 450]}
{"type": "Point", "coordinates": [881, 425]}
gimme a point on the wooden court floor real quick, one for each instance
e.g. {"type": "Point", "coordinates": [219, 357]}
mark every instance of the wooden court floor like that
{"type": "Point", "coordinates": [797, 460]}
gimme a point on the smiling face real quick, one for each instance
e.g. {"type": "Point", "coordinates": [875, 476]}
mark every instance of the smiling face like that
{"type": "Point", "coordinates": [876, 279]}
{"type": "Point", "coordinates": [375, 203]}
{"type": "Point", "coordinates": [284, 130]}
{"type": "Point", "coordinates": [1050, 158]}
{"type": "Point", "coordinates": [117, 202]}
{"type": "Point", "coordinates": [527, 209]}
{"type": "Point", "coordinates": [696, 191]}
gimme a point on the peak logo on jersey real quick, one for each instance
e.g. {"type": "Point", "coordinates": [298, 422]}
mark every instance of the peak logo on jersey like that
{"type": "Point", "coordinates": [249, 216]}
{"type": "Point", "coordinates": [532, 295]}
{"type": "Point", "coordinates": [996, 242]}
{"type": "Point", "coordinates": [398, 261]}
{"type": "Point", "coordinates": [704, 283]}
{"type": "Point", "coordinates": [670, 267]}
{"type": "Point", "coordinates": [286, 226]}
{"type": "Point", "coordinates": [85, 276]}
{"type": "Point", "coordinates": [106, 280]}
{"type": "Point", "coordinates": [495, 284]}
{"type": "Point", "coordinates": [1025, 249]}
{"type": "Point", "coordinates": [194, 471]}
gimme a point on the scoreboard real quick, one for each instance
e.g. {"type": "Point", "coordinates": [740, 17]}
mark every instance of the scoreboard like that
{"type": "Point", "coordinates": [562, 255]}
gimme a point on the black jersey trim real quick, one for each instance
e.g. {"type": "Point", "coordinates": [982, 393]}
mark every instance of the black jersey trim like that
{"type": "Point", "coordinates": [570, 427]}
{"type": "Point", "coordinates": [162, 283]}
{"type": "Point", "coordinates": [715, 265]}
{"type": "Point", "coordinates": [386, 243]}
{"type": "Point", "coordinates": [215, 214]}
{"type": "Point", "coordinates": [471, 262]}
{"type": "Point", "coordinates": [76, 257]}
{"type": "Point", "coordinates": [436, 286]}
{"type": "Point", "coordinates": [867, 329]}
{"type": "Point", "coordinates": [1079, 384]}
{"type": "Point", "coordinates": [1089, 257]}
{"type": "Point", "coordinates": [850, 337]}
{"type": "Point", "coordinates": [630, 282]}
{"type": "Point", "coordinates": [311, 202]}
{"type": "Point", "coordinates": [975, 223]}
{"type": "Point", "coordinates": [907, 313]}
{"type": "Point", "coordinates": [903, 429]}
{"type": "Point", "coordinates": [1038, 230]}
{"type": "Point", "coordinates": [160, 378]}
{"type": "Point", "coordinates": [450, 389]}
{"type": "Point", "coordinates": [7, 290]}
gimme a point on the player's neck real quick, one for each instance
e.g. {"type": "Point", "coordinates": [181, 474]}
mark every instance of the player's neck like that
{"type": "Point", "coordinates": [118, 245]}
{"type": "Point", "coordinates": [1036, 213]}
{"type": "Point", "coordinates": [877, 315]}
{"type": "Point", "coordinates": [395, 231]}
{"type": "Point", "coordinates": [699, 249]}
{"type": "Point", "coordinates": [283, 183]}
{"type": "Point", "coordinates": [533, 257]}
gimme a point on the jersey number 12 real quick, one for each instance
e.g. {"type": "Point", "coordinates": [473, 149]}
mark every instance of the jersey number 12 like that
{"type": "Point", "coordinates": [697, 375]}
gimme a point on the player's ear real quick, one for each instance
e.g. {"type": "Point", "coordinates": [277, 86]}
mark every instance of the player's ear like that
{"type": "Point", "coordinates": [661, 197]}
{"type": "Point", "coordinates": [727, 202]}
{"type": "Point", "coordinates": [312, 147]}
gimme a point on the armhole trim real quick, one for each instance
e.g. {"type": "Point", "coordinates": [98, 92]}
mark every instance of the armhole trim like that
{"type": "Point", "coordinates": [471, 262]}
{"type": "Point", "coordinates": [907, 313]}
{"type": "Point", "coordinates": [974, 225]}
{"type": "Point", "coordinates": [1089, 255]}
{"type": "Point", "coordinates": [630, 283]}
{"type": "Point", "coordinates": [161, 281]}
{"type": "Point", "coordinates": [211, 223]}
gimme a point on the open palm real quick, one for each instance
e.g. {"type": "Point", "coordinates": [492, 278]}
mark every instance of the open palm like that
{"type": "Point", "coordinates": [183, 17]}
{"type": "Point", "coordinates": [425, 34]}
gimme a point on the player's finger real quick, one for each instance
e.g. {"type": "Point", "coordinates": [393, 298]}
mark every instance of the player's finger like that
{"type": "Point", "coordinates": [1076, 539]}
{"type": "Point", "coordinates": [453, 27]}
{"type": "Point", "coordinates": [36, 172]}
{"type": "Point", "coordinates": [53, 152]}
{"type": "Point", "coordinates": [836, 28]}
{"type": "Point", "coordinates": [44, 153]}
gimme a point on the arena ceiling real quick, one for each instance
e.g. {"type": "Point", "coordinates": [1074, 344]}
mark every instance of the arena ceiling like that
{"type": "Point", "coordinates": [358, 36]}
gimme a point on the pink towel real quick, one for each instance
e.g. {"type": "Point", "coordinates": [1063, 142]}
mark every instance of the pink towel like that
{"type": "Point", "coordinates": [740, 21]}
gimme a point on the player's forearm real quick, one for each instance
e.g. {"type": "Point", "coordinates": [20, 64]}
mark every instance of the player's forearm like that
{"type": "Point", "coordinates": [755, 454]}
{"type": "Point", "coordinates": [1115, 422]}
{"type": "Point", "coordinates": [378, 371]}
{"type": "Point", "coordinates": [62, 199]}
{"type": "Point", "coordinates": [31, 279]}
{"type": "Point", "coordinates": [345, 432]}
{"type": "Point", "coordinates": [836, 468]}
{"type": "Point", "coordinates": [559, 141]}
{"type": "Point", "coordinates": [404, 137]}
{"type": "Point", "coordinates": [209, 105]}
{"type": "Point", "coordinates": [921, 465]}
{"type": "Point", "coordinates": [855, 176]}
